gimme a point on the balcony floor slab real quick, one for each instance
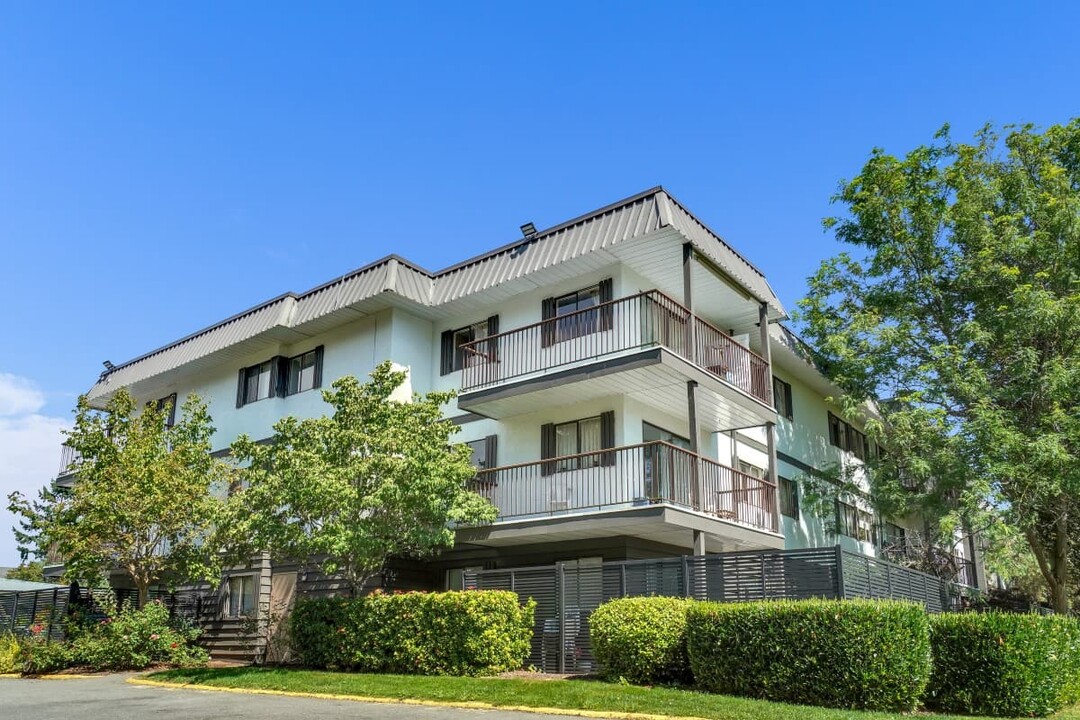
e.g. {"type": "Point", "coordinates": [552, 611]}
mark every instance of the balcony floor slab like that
{"type": "Point", "coordinates": [662, 523]}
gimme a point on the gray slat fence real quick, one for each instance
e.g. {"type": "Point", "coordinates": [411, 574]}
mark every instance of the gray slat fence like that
{"type": "Point", "coordinates": [567, 593]}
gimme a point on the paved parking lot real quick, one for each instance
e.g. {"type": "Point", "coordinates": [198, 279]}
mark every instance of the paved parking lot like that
{"type": "Point", "coordinates": [110, 696]}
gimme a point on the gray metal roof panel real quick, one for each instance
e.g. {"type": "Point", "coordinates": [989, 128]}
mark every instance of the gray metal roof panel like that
{"type": "Point", "coordinates": [595, 231]}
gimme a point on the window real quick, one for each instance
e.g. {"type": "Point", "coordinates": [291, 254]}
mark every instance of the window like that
{"type": "Point", "coordinates": [652, 433]}
{"type": "Point", "coordinates": [857, 443]}
{"type": "Point", "coordinates": [575, 438]}
{"type": "Point", "coordinates": [280, 376]}
{"type": "Point", "coordinates": [576, 314]}
{"type": "Point", "coordinates": [257, 383]}
{"type": "Point", "coordinates": [752, 470]}
{"type": "Point", "coordinates": [893, 539]}
{"type": "Point", "coordinates": [168, 406]}
{"type": "Point", "coordinates": [844, 436]}
{"type": "Point", "coordinates": [789, 498]}
{"type": "Point", "coordinates": [571, 323]}
{"type": "Point", "coordinates": [853, 522]}
{"type": "Point", "coordinates": [456, 357]}
{"type": "Point", "coordinates": [781, 392]}
{"type": "Point", "coordinates": [240, 598]}
{"type": "Point", "coordinates": [483, 452]}
{"type": "Point", "coordinates": [301, 373]}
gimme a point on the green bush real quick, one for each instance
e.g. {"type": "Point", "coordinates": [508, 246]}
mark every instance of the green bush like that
{"type": "Point", "coordinates": [9, 653]}
{"type": "Point", "coordinates": [642, 640]}
{"type": "Point", "coordinates": [136, 639]}
{"type": "Point", "coordinates": [852, 654]}
{"type": "Point", "coordinates": [450, 633]}
{"type": "Point", "coordinates": [1004, 664]}
{"type": "Point", "coordinates": [39, 656]}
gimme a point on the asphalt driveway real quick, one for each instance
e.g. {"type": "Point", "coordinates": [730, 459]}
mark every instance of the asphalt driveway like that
{"type": "Point", "coordinates": [110, 696]}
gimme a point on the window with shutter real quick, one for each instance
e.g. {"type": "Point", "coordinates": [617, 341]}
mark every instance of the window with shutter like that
{"type": "Point", "coordinates": [782, 398]}
{"type": "Point", "coordinates": [457, 352]}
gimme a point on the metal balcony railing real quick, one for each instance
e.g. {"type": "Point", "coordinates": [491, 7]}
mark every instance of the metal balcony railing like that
{"type": "Point", "coordinates": [68, 457]}
{"type": "Point", "coordinates": [647, 319]}
{"type": "Point", "coordinates": [628, 477]}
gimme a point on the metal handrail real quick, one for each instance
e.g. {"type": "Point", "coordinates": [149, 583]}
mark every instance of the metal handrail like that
{"type": "Point", "coordinates": [629, 476]}
{"type": "Point", "coordinates": [646, 318]}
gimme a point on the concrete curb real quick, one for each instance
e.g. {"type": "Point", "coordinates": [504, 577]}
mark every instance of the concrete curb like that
{"type": "Point", "coordinates": [612, 715]}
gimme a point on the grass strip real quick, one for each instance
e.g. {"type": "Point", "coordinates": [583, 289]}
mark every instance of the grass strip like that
{"type": "Point", "coordinates": [590, 695]}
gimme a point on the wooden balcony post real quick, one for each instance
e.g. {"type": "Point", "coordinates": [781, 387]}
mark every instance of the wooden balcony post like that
{"type": "Point", "coordinates": [688, 302]}
{"type": "Point", "coordinates": [766, 350]}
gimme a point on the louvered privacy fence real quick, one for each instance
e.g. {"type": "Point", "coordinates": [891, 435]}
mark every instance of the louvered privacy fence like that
{"type": "Point", "coordinates": [567, 593]}
{"type": "Point", "coordinates": [42, 612]}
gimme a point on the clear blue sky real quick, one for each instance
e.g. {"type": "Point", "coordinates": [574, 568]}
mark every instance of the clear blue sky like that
{"type": "Point", "coordinates": [163, 166]}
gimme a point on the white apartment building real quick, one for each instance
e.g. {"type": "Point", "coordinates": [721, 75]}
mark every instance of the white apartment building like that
{"type": "Point", "coordinates": [624, 380]}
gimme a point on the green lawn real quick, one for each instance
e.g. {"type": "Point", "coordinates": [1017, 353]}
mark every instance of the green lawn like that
{"type": "Point", "coordinates": [567, 694]}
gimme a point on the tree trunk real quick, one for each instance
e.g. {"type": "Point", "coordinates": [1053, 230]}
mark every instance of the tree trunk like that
{"type": "Point", "coordinates": [1060, 595]}
{"type": "Point", "coordinates": [143, 589]}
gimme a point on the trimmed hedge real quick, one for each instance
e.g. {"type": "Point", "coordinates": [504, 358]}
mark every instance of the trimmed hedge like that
{"type": "Point", "coordinates": [450, 633]}
{"type": "Point", "coordinates": [1004, 664]}
{"type": "Point", "coordinates": [852, 654]}
{"type": "Point", "coordinates": [642, 640]}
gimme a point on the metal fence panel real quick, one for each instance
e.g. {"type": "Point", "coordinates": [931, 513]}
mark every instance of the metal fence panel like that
{"type": "Point", "coordinates": [567, 593]}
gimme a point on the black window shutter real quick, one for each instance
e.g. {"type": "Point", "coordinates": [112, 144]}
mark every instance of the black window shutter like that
{"type": "Point", "coordinates": [240, 388]}
{"type": "Point", "coordinates": [787, 401]}
{"type": "Point", "coordinates": [493, 344]}
{"type": "Point", "coordinates": [547, 448]}
{"type": "Point", "coordinates": [607, 313]}
{"type": "Point", "coordinates": [491, 449]}
{"type": "Point", "coordinates": [607, 436]}
{"type": "Point", "coordinates": [171, 420]}
{"type": "Point", "coordinates": [280, 367]}
{"type": "Point", "coordinates": [447, 361]}
{"type": "Point", "coordinates": [318, 367]}
{"type": "Point", "coordinates": [547, 330]}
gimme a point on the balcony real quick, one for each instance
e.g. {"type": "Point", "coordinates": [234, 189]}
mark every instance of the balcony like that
{"type": "Point", "coordinates": [649, 333]}
{"type": "Point", "coordinates": [630, 479]}
{"type": "Point", "coordinates": [65, 476]}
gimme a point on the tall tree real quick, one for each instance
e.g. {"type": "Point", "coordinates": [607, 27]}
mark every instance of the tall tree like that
{"type": "Point", "coordinates": [957, 312]}
{"type": "Point", "coordinates": [144, 500]}
{"type": "Point", "coordinates": [377, 478]}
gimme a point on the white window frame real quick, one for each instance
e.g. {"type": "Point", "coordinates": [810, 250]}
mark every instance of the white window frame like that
{"type": "Point", "coordinates": [231, 612]}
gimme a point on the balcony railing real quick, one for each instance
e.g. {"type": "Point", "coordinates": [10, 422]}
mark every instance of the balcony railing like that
{"type": "Point", "coordinates": [628, 477]}
{"type": "Point", "coordinates": [68, 457]}
{"type": "Point", "coordinates": [647, 319]}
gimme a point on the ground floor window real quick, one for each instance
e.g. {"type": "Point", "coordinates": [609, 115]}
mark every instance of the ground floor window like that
{"type": "Point", "coordinates": [789, 498]}
{"type": "Point", "coordinates": [240, 596]}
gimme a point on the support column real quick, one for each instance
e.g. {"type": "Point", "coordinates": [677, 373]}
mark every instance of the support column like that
{"type": "Point", "coordinates": [697, 479]}
{"type": "Point", "coordinates": [766, 349]}
{"type": "Point", "coordinates": [699, 542]}
{"type": "Point", "coordinates": [688, 301]}
{"type": "Point", "coordinates": [774, 477]}
{"type": "Point", "coordinates": [770, 428]}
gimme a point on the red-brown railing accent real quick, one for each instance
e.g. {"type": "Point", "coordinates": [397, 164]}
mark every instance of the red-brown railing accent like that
{"type": "Point", "coordinates": [627, 477]}
{"type": "Point", "coordinates": [646, 319]}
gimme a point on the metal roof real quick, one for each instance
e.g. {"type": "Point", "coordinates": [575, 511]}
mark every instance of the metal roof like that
{"type": "Point", "coordinates": [373, 286]}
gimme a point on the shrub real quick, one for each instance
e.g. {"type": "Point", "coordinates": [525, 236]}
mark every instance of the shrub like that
{"type": "Point", "coordinates": [642, 640]}
{"type": "Point", "coordinates": [9, 653]}
{"type": "Point", "coordinates": [833, 653]}
{"type": "Point", "coordinates": [1004, 664]}
{"type": "Point", "coordinates": [450, 633]}
{"type": "Point", "coordinates": [136, 639]}
{"type": "Point", "coordinates": [38, 656]}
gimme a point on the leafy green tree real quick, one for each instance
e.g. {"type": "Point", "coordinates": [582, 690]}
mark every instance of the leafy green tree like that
{"type": "Point", "coordinates": [143, 501]}
{"type": "Point", "coordinates": [378, 478]}
{"type": "Point", "coordinates": [31, 571]}
{"type": "Point", "coordinates": [958, 313]}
